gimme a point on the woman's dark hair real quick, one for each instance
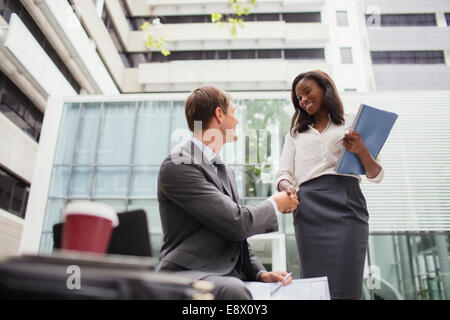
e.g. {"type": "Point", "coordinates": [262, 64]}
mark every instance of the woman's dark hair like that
{"type": "Point", "coordinates": [331, 101]}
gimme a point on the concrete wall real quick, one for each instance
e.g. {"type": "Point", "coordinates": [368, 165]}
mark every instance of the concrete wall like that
{"type": "Point", "coordinates": [412, 77]}
{"type": "Point", "coordinates": [18, 151]}
{"type": "Point", "coordinates": [10, 234]}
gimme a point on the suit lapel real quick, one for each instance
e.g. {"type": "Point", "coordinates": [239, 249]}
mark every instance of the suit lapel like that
{"type": "Point", "coordinates": [199, 159]}
{"type": "Point", "coordinates": [234, 188]}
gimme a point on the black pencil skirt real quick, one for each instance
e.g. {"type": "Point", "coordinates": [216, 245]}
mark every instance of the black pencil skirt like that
{"type": "Point", "coordinates": [331, 230]}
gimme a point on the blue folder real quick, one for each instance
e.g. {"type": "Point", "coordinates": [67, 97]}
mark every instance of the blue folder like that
{"type": "Point", "coordinates": [374, 126]}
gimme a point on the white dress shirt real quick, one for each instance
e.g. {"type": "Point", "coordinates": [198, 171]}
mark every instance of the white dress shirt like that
{"type": "Point", "coordinates": [311, 154]}
{"type": "Point", "coordinates": [210, 155]}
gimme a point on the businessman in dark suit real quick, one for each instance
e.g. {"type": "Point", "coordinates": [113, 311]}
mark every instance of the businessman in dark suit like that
{"type": "Point", "coordinates": [205, 228]}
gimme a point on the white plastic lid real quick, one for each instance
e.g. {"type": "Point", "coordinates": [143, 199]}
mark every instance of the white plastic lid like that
{"type": "Point", "coordinates": [91, 208]}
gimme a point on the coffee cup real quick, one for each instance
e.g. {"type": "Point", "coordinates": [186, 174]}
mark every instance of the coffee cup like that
{"type": "Point", "coordinates": [88, 226]}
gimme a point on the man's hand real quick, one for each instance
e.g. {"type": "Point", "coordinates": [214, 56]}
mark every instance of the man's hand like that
{"type": "Point", "coordinates": [274, 276]}
{"type": "Point", "coordinates": [284, 202]}
{"type": "Point", "coordinates": [285, 185]}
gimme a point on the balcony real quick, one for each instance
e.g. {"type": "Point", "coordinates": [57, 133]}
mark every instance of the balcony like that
{"type": "Point", "coordinates": [406, 38]}
{"type": "Point", "coordinates": [261, 74]}
{"type": "Point", "coordinates": [175, 7]}
{"type": "Point", "coordinates": [201, 36]}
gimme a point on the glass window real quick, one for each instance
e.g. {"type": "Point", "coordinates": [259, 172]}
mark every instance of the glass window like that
{"type": "Point", "coordinates": [136, 59]}
{"type": "Point", "coordinates": [19, 198]}
{"type": "Point", "coordinates": [407, 57]}
{"type": "Point", "coordinates": [258, 181]}
{"type": "Point", "coordinates": [210, 55]}
{"type": "Point", "coordinates": [399, 20]}
{"type": "Point", "coordinates": [243, 54]}
{"type": "Point", "coordinates": [248, 18]}
{"type": "Point", "coordinates": [46, 243]}
{"type": "Point", "coordinates": [180, 132]}
{"type": "Point", "coordinates": [59, 181]}
{"type": "Point", "coordinates": [87, 133]}
{"type": "Point", "coordinates": [239, 177]}
{"type": "Point", "coordinates": [67, 134]}
{"type": "Point", "coordinates": [53, 214]}
{"type": "Point", "coordinates": [261, 128]}
{"type": "Point", "coordinates": [341, 18]}
{"type": "Point", "coordinates": [117, 205]}
{"type": "Point", "coordinates": [234, 153]}
{"type": "Point", "coordinates": [186, 55]}
{"type": "Point", "coordinates": [300, 17]}
{"type": "Point", "coordinates": [126, 61]}
{"type": "Point", "coordinates": [152, 132]}
{"type": "Point", "coordinates": [159, 57]}
{"type": "Point", "coordinates": [222, 55]}
{"type": "Point", "coordinates": [19, 109]}
{"type": "Point", "coordinates": [346, 56]}
{"type": "Point", "coordinates": [408, 19]}
{"type": "Point", "coordinates": [138, 22]}
{"type": "Point", "coordinates": [156, 242]}
{"type": "Point", "coordinates": [269, 54]}
{"type": "Point", "coordinates": [184, 19]}
{"type": "Point", "coordinates": [267, 17]}
{"type": "Point", "coordinates": [116, 133]}
{"type": "Point", "coordinates": [13, 194]}
{"type": "Point", "coordinates": [409, 266]}
{"type": "Point", "coordinates": [80, 182]}
{"type": "Point", "coordinates": [447, 17]}
{"type": "Point", "coordinates": [215, 55]}
{"type": "Point", "coordinates": [286, 113]}
{"type": "Point", "coordinates": [292, 258]}
{"type": "Point", "coordinates": [110, 182]}
{"type": "Point", "coordinates": [306, 54]}
{"type": "Point", "coordinates": [144, 182]}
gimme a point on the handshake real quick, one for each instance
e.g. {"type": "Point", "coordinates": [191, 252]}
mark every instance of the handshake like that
{"type": "Point", "coordinates": [286, 200]}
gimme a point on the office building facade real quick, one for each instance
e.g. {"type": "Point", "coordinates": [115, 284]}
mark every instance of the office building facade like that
{"type": "Point", "coordinates": [409, 43]}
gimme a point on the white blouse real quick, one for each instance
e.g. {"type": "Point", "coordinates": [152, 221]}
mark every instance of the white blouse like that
{"type": "Point", "coordinates": [311, 154]}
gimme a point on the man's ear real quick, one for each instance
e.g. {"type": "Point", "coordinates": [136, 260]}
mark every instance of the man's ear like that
{"type": "Point", "coordinates": [218, 113]}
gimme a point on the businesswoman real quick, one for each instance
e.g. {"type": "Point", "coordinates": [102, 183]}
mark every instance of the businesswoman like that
{"type": "Point", "coordinates": [331, 221]}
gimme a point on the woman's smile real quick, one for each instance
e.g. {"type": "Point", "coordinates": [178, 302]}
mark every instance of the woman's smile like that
{"type": "Point", "coordinates": [309, 106]}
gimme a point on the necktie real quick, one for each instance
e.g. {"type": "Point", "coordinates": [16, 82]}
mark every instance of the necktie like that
{"type": "Point", "coordinates": [223, 176]}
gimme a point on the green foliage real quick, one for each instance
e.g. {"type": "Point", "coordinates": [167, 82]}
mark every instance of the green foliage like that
{"type": "Point", "coordinates": [233, 21]}
{"type": "Point", "coordinates": [154, 37]}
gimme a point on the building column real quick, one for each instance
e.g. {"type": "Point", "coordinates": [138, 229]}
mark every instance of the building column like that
{"type": "Point", "coordinates": [447, 57]}
{"type": "Point", "coordinates": [442, 251]}
{"type": "Point", "coordinates": [440, 19]}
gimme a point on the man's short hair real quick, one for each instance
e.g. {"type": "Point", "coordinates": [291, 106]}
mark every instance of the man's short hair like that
{"type": "Point", "coordinates": [202, 103]}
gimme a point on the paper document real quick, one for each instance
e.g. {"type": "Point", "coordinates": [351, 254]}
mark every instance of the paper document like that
{"type": "Point", "coordinates": [298, 289]}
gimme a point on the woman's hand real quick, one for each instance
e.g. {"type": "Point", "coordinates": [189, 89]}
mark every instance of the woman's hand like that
{"type": "Point", "coordinates": [353, 142]}
{"type": "Point", "coordinates": [285, 185]}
